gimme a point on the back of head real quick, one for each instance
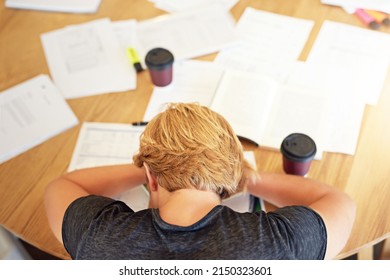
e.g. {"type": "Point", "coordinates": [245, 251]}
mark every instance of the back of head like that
{"type": "Point", "coordinates": [190, 146]}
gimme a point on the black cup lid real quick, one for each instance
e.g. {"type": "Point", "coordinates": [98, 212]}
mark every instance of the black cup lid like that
{"type": "Point", "coordinates": [158, 59]}
{"type": "Point", "coordinates": [298, 147]}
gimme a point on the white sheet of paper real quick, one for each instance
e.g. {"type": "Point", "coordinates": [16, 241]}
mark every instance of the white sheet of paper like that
{"type": "Point", "coordinates": [174, 6]}
{"type": "Point", "coordinates": [354, 52]}
{"type": "Point", "coordinates": [126, 33]}
{"type": "Point", "coordinates": [270, 43]}
{"type": "Point", "coordinates": [194, 81]}
{"type": "Point", "coordinates": [69, 6]}
{"type": "Point", "coordinates": [347, 106]}
{"type": "Point", "coordinates": [31, 113]}
{"type": "Point", "coordinates": [245, 100]}
{"type": "Point", "coordinates": [102, 144]}
{"type": "Point", "coordinates": [377, 5]}
{"type": "Point", "coordinates": [298, 110]}
{"type": "Point", "coordinates": [189, 34]}
{"type": "Point", "coordinates": [86, 59]}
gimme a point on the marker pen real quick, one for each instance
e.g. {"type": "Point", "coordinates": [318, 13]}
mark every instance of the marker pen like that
{"type": "Point", "coordinates": [134, 59]}
{"type": "Point", "coordinates": [367, 19]}
{"type": "Point", "coordinates": [379, 17]}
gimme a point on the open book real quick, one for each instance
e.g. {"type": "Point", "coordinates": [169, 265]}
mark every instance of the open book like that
{"type": "Point", "coordinates": [265, 111]}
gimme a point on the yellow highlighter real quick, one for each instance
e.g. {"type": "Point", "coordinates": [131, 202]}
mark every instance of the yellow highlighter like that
{"type": "Point", "coordinates": [134, 59]}
{"type": "Point", "coordinates": [379, 17]}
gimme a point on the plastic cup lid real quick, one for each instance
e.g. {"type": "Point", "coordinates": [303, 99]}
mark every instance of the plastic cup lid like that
{"type": "Point", "coordinates": [298, 147]}
{"type": "Point", "coordinates": [159, 58]}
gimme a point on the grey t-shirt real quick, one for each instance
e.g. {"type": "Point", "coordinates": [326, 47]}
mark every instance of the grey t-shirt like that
{"type": "Point", "coordinates": [96, 227]}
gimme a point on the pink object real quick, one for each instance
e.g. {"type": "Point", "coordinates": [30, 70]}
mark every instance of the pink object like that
{"type": "Point", "coordinates": [160, 64]}
{"type": "Point", "coordinates": [367, 19]}
{"type": "Point", "coordinates": [298, 151]}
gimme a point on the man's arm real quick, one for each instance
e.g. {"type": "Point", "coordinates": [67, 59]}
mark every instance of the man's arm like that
{"type": "Point", "coordinates": [335, 207]}
{"type": "Point", "coordinates": [105, 181]}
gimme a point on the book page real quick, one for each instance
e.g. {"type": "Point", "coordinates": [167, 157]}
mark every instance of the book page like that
{"type": "Point", "coordinates": [346, 105]}
{"type": "Point", "coordinates": [194, 81]}
{"type": "Point", "coordinates": [245, 101]}
{"type": "Point", "coordinates": [298, 110]}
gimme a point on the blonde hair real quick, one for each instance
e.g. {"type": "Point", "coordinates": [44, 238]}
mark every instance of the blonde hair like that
{"type": "Point", "coordinates": [191, 146]}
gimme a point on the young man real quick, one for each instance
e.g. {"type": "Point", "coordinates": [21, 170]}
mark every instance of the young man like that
{"type": "Point", "coordinates": [190, 158]}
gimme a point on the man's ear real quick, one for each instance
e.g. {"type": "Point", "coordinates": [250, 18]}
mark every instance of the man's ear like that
{"type": "Point", "coordinates": [152, 179]}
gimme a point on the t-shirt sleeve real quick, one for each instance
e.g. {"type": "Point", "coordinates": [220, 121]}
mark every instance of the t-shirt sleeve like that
{"type": "Point", "coordinates": [302, 229]}
{"type": "Point", "coordinates": [78, 217]}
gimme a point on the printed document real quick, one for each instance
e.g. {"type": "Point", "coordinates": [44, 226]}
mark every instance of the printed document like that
{"type": "Point", "coordinates": [347, 105]}
{"type": "Point", "coordinates": [31, 113]}
{"type": "Point", "coordinates": [189, 34]}
{"type": "Point", "coordinates": [269, 43]}
{"type": "Point", "coordinates": [105, 144]}
{"type": "Point", "coordinates": [126, 33]}
{"type": "Point", "coordinates": [174, 6]}
{"type": "Point", "coordinates": [360, 55]}
{"type": "Point", "coordinates": [87, 59]}
{"type": "Point", "coordinates": [67, 6]}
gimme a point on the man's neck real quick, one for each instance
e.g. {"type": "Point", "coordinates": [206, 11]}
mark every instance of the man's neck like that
{"type": "Point", "coordinates": [187, 206]}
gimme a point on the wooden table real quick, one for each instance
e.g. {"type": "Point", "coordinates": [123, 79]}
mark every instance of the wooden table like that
{"type": "Point", "coordinates": [365, 176]}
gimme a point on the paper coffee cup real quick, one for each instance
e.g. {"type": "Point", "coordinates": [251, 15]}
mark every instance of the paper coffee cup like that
{"type": "Point", "coordinates": [160, 64]}
{"type": "Point", "coordinates": [298, 151]}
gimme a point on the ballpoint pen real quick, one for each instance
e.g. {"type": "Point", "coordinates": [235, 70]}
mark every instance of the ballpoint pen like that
{"type": "Point", "coordinates": [139, 123]}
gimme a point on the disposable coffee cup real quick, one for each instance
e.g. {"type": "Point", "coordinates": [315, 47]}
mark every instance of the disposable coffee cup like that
{"type": "Point", "coordinates": [298, 151]}
{"type": "Point", "coordinates": [160, 64]}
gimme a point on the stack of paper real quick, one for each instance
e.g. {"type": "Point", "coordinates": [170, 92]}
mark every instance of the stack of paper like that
{"type": "Point", "coordinates": [31, 113]}
{"type": "Point", "coordinates": [68, 6]}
